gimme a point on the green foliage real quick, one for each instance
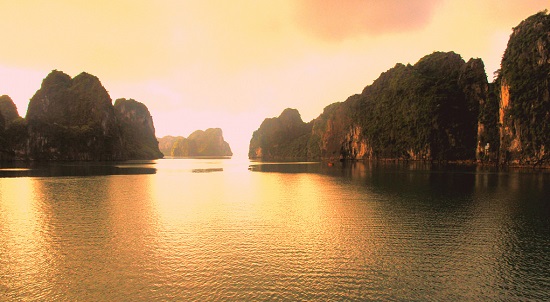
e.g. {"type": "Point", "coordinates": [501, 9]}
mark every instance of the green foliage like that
{"type": "Point", "coordinates": [488, 117]}
{"type": "Point", "coordinates": [74, 119]}
{"type": "Point", "coordinates": [138, 133]}
{"type": "Point", "coordinates": [283, 137]}
{"type": "Point", "coordinates": [421, 111]}
{"type": "Point", "coordinates": [526, 71]}
{"type": "Point", "coordinates": [425, 111]}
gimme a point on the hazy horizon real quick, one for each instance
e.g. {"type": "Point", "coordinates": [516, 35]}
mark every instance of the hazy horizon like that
{"type": "Point", "coordinates": [229, 65]}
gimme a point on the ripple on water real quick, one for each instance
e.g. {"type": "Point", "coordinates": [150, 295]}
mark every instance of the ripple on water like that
{"type": "Point", "coordinates": [303, 234]}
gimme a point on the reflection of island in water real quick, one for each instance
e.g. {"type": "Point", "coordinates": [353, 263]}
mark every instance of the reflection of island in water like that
{"type": "Point", "coordinates": [57, 169]}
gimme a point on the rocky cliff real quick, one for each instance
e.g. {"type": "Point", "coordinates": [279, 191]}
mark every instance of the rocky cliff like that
{"type": "Point", "coordinates": [524, 82]}
{"type": "Point", "coordinates": [8, 109]}
{"type": "Point", "coordinates": [4, 151]}
{"type": "Point", "coordinates": [283, 137]}
{"type": "Point", "coordinates": [74, 119]}
{"type": "Point", "coordinates": [441, 108]}
{"type": "Point", "coordinates": [166, 143]}
{"type": "Point", "coordinates": [200, 143]}
{"type": "Point", "coordinates": [137, 128]}
{"type": "Point", "coordinates": [426, 111]}
{"type": "Point", "coordinates": [12, 129]}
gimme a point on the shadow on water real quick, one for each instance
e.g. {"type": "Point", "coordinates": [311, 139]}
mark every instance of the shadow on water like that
{"type": "Point", "coordinates": [413, 179]}
{"type": "Point", "coordinates": [57, 169]}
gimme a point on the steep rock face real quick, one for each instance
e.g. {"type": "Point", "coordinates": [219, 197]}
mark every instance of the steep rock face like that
{"type": "Point", "coordinates": [13, 128]}
{"type": "Point", "coordinates": [137, 129]}
{"type": "Point", "coordinates": [2, 122]}
{"type": "Point", "coordinates": [335, 134]}
{"type": "Point", "coordinates": [180, 147]}
{"type": "Point", "coordinates": [283, 137]}
{"type": "Point", "coordinates": [73, 119]}
{"type": "Point", "coordinates": [8, 109]}
{"type": "Point", "coordinates": [200, 143]}
{"type": "Point", "coordinates": [208, 143]}
{"type": "Point", "coordinates": [480, 110]}
{"type": "Point", "coordinates": [166, 143]}
{"type": "Point", "coordinates": [441, 108]}
{"type": "Point", "coordinates": [427, 111]}
{"type": "Point", "coordinates": [488, 146]}
{"type": "Point", "coordinates": [524, 111]}
{"type": "Point", "coordinates": [4, 151]}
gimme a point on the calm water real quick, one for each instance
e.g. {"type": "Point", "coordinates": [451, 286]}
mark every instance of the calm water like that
{"type": "Point", "coordinates": [219, 229]}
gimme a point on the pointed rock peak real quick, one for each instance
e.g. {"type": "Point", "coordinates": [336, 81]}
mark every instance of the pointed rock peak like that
{"type": "Point", "coordinates": [290, 115]}
{"type": "Point", "coordinates": [88, 81]}
{"type": "Point", "coordinates": [84, 76]}
{"type": "Point", "coordinates": [5, 97]}
{"type": "Point", "coordinates": [8, 108]}
{"type": "Point", "coordinates": [56, 78]}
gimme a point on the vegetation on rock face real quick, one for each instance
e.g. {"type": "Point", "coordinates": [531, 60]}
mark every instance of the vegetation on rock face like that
{"type": "Point", "coordinates": [137, 129]}
{"type": "Point", "coordinates": [74, 119]}
{"type": "Point", "coordinates": [330, 135]}
{"type": "Point", "coordinates": [525, 92]}
{"type": "Point", "coordinates": [422, 111]}
{"type": "Point", "coordinates": [488, 126]}
{"type": "Point", "coordinates": [12, 128]}
{"type": "Point", "coordinates": [425, 111]}
{"type": "Point", "coordinates": [4, 151]}
{"type": "Point", "coordinates": [441, 108]}
{"type": "Point", "coordinates": [283, 137]}
{"type": "Point", "coordinates": [8, 109]}
{"type": "Point", "coordinates": [209, 143]}
{"type": "Point", "coordinates": [2, 122]}
{"type": "Point", "coordinates": [200, 143]}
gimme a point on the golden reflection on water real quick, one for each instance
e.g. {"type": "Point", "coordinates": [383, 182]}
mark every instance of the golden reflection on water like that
{"type": "Point", "coordinates": [21, 253]}
{"type": "Point", "coordinates": [73, 233]}
{"type": "Point", "coordinates": [254, 229]}
{"type": "Point", "coordinates": [354, 232]}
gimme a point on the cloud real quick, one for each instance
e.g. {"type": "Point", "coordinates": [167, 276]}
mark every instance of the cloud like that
{"type": "Point", "coordinates": [339, 20]}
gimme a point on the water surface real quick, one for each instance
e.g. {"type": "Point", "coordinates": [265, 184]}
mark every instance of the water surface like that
{"type": "Point", "coordinates": [224, 229]}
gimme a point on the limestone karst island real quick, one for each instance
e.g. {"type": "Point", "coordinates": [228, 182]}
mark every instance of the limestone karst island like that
{"type": "Point", "coordinates": [75, 119]}
{"type": "Point", "coordinates": [441, 108]}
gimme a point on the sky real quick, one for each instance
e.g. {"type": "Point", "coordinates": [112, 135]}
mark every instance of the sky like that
{"type": "Point", "coordinates": [202, 64]}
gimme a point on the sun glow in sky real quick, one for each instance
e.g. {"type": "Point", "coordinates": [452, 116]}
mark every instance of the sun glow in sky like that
{"type": "Point", "coordinates": [230, 64]}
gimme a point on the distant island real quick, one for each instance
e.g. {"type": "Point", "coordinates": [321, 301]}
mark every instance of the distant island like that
{"type": "Point", "coordinates": [200, 143]}
{"type": "Point", "coordinates": [74, 119]}
{"type": "Point", "coordinates": [441, 108]}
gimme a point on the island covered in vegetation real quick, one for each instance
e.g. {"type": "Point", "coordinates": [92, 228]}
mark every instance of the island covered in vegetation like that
{"type": "Point", "coordinates": [441, 108]}
{"type": "Point", "coordinates": [200, 143]}
{"type": "Point", "coordinates": [74, 119]}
